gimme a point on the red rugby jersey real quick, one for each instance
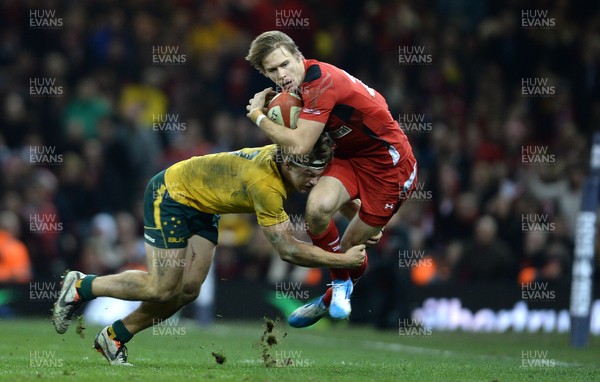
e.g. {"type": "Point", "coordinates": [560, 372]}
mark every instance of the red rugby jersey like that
{"type": "Point", "coordinates": [356, 116]}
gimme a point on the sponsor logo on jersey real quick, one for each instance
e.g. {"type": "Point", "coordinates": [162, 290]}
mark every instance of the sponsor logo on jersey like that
{"type": "Point", "coordinates": [342, 131]}
{"type": "Point", "coordinates": [148, 238]}
{"type": "Point", "coordinates": [311, 111]}
{"type": "Point", "coordinates": [175, 240]}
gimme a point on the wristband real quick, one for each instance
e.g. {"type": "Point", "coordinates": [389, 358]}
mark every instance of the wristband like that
{"type": "Point", "coordinates": [259, 119]}
{"type": "Point", "coordinates": [252, 114]}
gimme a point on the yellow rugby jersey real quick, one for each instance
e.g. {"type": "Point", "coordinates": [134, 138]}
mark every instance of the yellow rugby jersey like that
{"type": "Point", "coordinates": [243, 181]}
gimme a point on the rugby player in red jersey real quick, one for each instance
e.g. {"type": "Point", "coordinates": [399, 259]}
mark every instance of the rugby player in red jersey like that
{"type": "Point", "coordinates": [373, 170]}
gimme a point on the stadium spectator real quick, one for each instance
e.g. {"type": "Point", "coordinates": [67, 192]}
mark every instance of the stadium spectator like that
{"type": "Point", "coordinates": [564, 190]}
{"type": "Point", "coordinates": [83, 112]}
{"type": "Point", "coordinates": [543, 261]}
{"type": "Point", "coordinates": [485, 257]}
{"type": "Point", "coordinates": [15, 266]}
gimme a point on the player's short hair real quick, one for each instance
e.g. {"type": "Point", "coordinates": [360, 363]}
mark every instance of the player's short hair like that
{"type": "Point", "coordinates": [318, 158]}
{"type": "Point", "coordinates": [266, 43]}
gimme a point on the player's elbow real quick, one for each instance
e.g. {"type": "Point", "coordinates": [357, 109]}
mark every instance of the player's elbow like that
{"type": "Point", "coordinates": [286, 255]}
{"type": "Point", "coordinates": [284, 243]}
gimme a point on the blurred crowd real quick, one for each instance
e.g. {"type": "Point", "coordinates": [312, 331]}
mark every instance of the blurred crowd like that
{"type": "Point", "coordinates": [129, 88]}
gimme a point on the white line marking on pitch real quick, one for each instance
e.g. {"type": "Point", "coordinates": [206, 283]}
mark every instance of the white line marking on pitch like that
{"type": "Point", "coordinates": [420, 350]}
{"type": "Point", "coordinates": [380, 345]}
{"type": "Point", "coordinates": [394, 347]}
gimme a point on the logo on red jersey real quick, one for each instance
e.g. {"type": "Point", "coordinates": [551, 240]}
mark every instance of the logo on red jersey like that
{"type": "Point", "coordinates": [311, 111]}
{"type": "Point", "coordinates": [342, 131]}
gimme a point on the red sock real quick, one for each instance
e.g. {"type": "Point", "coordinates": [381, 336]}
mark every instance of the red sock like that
{"type": "Point", "coordinates": [330, 241]}
{"type": "Point", "coordinates": [327, 297]}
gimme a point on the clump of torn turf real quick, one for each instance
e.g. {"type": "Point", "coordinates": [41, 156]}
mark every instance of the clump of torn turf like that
{"type": "Point", "coordinates": [219, 358]}
{"type": "Point", "coordinates": [80, 329]}
{"type": "Point", "coordinates": [267, 341]}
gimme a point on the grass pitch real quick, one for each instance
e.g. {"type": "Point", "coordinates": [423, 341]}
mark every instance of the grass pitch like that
{"type": "Point", "coordinates": [231, 351]}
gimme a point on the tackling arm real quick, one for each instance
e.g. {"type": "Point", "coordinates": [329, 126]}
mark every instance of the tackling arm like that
{"type": "Point", "coordinates": [304, 254]}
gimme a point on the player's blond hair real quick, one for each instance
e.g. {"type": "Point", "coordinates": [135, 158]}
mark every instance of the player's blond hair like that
{"type": "Point", "coordinates": [266, 43]}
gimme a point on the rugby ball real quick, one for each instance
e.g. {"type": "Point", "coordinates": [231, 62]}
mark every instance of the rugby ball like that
{"type": "Point", "coordinates": [284, 109]}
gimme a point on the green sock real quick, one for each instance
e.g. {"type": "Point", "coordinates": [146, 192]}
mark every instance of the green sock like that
{"type": "Point", "coordinates": [84, 287]}
{"type": "Point", "coordinates": [120, 332]}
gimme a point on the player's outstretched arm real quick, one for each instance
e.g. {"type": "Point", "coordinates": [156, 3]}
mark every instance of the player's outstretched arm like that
{"type": "Point", "coordinates": [304, 254]}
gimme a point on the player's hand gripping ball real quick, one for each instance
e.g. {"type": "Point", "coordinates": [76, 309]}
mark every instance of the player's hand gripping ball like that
{"type": "Point", "coordinates": [284, 109]}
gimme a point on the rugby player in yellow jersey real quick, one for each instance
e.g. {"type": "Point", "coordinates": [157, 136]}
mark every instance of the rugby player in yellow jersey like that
{"type": "Point", "coordinates": [181, 213]}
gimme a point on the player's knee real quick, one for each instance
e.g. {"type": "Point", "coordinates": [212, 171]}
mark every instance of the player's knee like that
{"type": "Point", "coordinates": [189, 293]}
{"type": "Point", "coordinates": [318, 215]}
{"type": "Point", "coordinates": [160, 294]}
{"type": "Point", "coordinates": [316, 223]}
{"type": "Point", "coordinates": [165, 296]}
